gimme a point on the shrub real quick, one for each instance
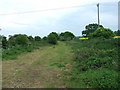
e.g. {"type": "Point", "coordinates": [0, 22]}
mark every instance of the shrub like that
{"type": "Point", "coordinates": [13, 52]}
{"type": "Point", "coordinates": [37, 38]}
{"type": "Point", "coordinates": [96, 63]}
{"type": "Point", "coordinates": [31, 38]}
{"type": "Point", "coordinates": [90, 29]}
{"type": "Point", "coordinates": [44, 38]}
{"type": "Point", "coordinates": [102, 78]}
{"type": "Point", "coordinates": [52, 39]}
{"type": "Point", "coordinates": [102, 32]}
{"type": "Point", "coordinates": [4, 42]}
{"type": "Point", "coordinates": [66, 36]}
{"type": "Point", "coordinates": [22, 40]}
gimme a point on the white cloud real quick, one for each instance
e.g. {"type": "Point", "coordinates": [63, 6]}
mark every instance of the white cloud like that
{"type": "Point", "coordinates": [48, 19]}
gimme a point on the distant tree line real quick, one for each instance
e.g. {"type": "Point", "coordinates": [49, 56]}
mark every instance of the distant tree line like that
{"type": "Point", "coordinates": [91, 31]}
{"type": "Point", "coordinates": [24, 40]}
{"type": "Point", "coordinates": [18, 40]}
{"type": "Point", "coordinates": [64, 36]}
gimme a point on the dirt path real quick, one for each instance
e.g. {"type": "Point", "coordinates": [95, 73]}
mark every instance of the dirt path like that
{"type": "Point", "coordinates": [39, 69]}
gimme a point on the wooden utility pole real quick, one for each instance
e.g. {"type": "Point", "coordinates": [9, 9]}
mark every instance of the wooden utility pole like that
{"type": "Point", "coordinates": [98, 15]}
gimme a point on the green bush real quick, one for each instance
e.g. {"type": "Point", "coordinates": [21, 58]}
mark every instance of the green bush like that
{"type": "Point", "coordinates": [22, 40]}
{"type": "Point", "coordinates": [52, 38]}
{"type": "Point", "coordinates": [102, 78]}
{"type": "Point", "coordinates": [96, 62]}
{"type": "Point", "coordinates": [102, 32]}
{"type": "Point", "coordinates": [66, 36]}
{"type": "Point", "coordinates": [4, 42]}
{"type": "Point", "coordinates": [12, 53]}
{"type": "Point", "coordinates": [90, 29]}
{"type": "Point", "coordinates": [37, 38]}
{"type": "Point", "coordinates": [31, 38]}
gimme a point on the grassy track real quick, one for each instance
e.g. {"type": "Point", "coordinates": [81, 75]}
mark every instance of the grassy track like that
{"type": "Point", "coordinates": [39, 69]}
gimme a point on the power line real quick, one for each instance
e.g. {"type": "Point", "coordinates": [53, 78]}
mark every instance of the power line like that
{"type": "Point", "coordinates": [44, 10]}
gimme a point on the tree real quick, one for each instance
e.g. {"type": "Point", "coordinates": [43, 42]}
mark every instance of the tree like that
{"type": "Point", "coordinates": [44, 38]}
{"type": "Point", "coordinates": [22, 40]}
{"type": "Point", "coordinates": [52, 38]}
{"type": "Point", "coordinates": [0, 41]}
{"type": "Point", "coordinates": [11, 41]}
{"type": "Point", "coordinates": [102, 32]}
{"type": "Point", "coordinates": [66, 36]}
{"type": "Point", "coordinates": [56, 35]}
{"type": "Point", "coordinates": [30, 38]}
{"type": "Point", "coordinates": [4, 42]}
{"type": "Point", "coordinates": [18, 39]}
{"type": "Point", "coordinates": [90, 29]}
{"type": "Point", "coordinates": [37, 38]}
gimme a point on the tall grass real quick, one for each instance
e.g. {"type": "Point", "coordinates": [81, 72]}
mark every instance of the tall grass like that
{"type": "Point", "coordinates": [96, 63]}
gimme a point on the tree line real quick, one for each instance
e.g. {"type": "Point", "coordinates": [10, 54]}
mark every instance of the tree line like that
{"type": "Point", "coordinates": [24, 40]}
{"type": "Point", "coordinates": [91, 31]}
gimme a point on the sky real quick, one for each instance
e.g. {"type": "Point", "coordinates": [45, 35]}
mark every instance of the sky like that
{"type": "Point", "coordinates": [119, 15]}
{"type": "Point", "coordinates": [41, 17]}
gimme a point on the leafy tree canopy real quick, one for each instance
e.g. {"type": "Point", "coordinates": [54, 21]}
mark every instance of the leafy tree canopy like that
{"type": "Point", "coordinates": [44, 38]}
{"type": "Point", "coordinates": [22, 40]}
{"type": "Point", "coordinates": [90, 29]}
{"type": "Point", "coordinates": [66, 36]}
{"type": "Point", "coordinates": [102, 32]}
{"type": "Point", "coordinates": [30, 38]}
{"type": "Point", "coordinates": [56, 35]}
{"type": "Point", "coordinates": [4, 42]}
{"type": "Point", "coordinates": [37, 38]}
{"type": "Point", "coordinates": [52, 38]}
{"type": "Point", "coordinates": [18, 39]}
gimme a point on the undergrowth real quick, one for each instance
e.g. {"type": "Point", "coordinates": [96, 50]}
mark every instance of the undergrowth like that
{"type": "Point", "coordinates": [12, 53]}
{"type": "Point", "coordinates": [96, 64]}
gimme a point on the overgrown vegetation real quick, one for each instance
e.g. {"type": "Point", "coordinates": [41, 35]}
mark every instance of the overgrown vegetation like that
{"type": "Point", "coordinates": [96, 63]}
{"type": "Point", "coordinates": [102, 32]}
{"type": "Point", "coordinates": [52, 38]}
{"type": "Point", "coordinates": [18, 44]}
{"type": "Point", "coordinates": [90, 29]}
{"type": "Point", "coordinates": [96, 59]}
{"type": "Point", "coordinates": [66, 36]}
{"type": "Point", "coordinates": [21, 43]}
{"type": "Point", "coordinates": [12, 53]}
